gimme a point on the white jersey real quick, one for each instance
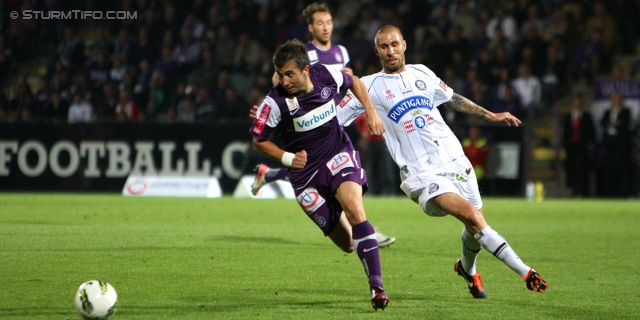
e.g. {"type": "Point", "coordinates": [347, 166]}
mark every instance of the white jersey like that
{"type": "Point", "coordinates": [416, 135]}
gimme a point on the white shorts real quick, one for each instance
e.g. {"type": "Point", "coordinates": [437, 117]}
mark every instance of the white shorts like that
{"type": "Point", "coordinates": [456, 177]}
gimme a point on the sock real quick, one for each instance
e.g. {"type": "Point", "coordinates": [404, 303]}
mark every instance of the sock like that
{"type": "Point", "coordinates": [276, 174]}
{"type": "Point", "coordinates": [470, 250]}
{"type": "Point", "coordinates": [366, 245]}
{"type": "Point", "coordinates": [499, 247]}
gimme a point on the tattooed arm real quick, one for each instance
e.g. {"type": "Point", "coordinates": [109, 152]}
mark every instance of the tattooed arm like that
{"type": "Point", "coordinates": [464, 105]}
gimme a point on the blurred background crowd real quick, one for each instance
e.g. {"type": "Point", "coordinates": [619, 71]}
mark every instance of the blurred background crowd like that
{"type": "Point", "coordinates": [547, 61]}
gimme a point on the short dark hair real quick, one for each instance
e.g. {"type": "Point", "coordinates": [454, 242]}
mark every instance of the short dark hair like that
{"type": "Point", "coordinates": [313, 8]}
{"type": "Point", "coordinates": [291, 50]}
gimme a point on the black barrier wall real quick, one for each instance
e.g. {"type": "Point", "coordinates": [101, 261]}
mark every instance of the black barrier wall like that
{"type": "Point", "coordinates": [99, 157]}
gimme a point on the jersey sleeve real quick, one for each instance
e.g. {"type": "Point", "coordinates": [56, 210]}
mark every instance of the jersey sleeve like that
{"type": "Point", "coordinates": [267, 119]}
{"type": "Point", "coordinates": [441, 91]}
{"type": "Point", "coordinates": [349, 109]}
{"type": "Point", "coordinates": [343, 80]}
{"type": "Point", "coordinates": [345, 55]}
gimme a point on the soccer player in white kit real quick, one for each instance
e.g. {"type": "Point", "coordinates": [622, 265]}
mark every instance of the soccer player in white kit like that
{"type": "Point", "coordinates": [434, 171]}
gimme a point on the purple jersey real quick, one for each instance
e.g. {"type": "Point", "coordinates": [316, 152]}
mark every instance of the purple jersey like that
{"type": "Point", "coordinates": [336, 56]}
{"type": "Point", "coordinates": [307, 121]}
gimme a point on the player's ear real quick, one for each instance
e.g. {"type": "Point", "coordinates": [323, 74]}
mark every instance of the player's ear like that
{"type": "Point", "coordinates": [375, 49]}
{"type": "Point", "coordinates": [310, 28]}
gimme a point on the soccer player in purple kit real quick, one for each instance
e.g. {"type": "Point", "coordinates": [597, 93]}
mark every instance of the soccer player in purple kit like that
{"type": "Point", "coordinates": [324, 168]}
{"type": "Point", "coordinates": [320, 51]}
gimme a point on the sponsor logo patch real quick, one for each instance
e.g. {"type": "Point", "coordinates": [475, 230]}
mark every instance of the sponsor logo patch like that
{"type": "Point", "coordinates": [443, 85]}
{"type": "Point", "coordinates": [293, 105]}
{"type": "Point", "coordinates": [409, 126]}
{"type": "Point", "coordinates": [340, 161]}
{"type": "Point", "coordinates": [137, 187]}
{"type": "Point", "coordinates": [313, 55]}
{"type": "Point", "coordinates": [388, 94]}
{"type": "Point", "coordinates": [261, 120]}
{"type": "Point", "coordinates": [315, 117]}
{"type": "Point", "coordinates": [310, 200]}
{"type": "Point", "coordinates": [345, 100]}
{"type": "Point", "coordinates": [433, 188]}
{"type": "Point", "coordinates": [325, 93]}
{"type": "Point", "coordinates": [407, 105]}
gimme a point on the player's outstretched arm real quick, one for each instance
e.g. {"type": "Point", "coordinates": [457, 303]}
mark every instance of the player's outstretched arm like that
{"type": "Point", "coordinates": [271, 150]}
{"type": "Point", "coordinates": [464, 105]}
{"type": "Point", "coordinates": [374, 124]}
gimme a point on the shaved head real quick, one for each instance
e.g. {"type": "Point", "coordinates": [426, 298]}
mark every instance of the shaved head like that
{"type": "Point", "coordinates": [388, 29]}
{"type": "Point", "coordinates": [390, 47]}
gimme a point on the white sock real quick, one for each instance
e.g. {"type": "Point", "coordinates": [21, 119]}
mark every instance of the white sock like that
{"type": "Point", "coordinates": [499, 247]}
{"type": "Point", "coordinates": [470, 250]}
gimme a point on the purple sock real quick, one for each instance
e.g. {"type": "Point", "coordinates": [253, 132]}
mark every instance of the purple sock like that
{"type": "Point", "coordinates": [366, 245]}
{"type": "Point", "coordinates": [276, 174]}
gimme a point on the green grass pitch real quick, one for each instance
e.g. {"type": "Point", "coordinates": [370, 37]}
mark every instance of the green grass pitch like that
{"type": "Point", "coordinates": [171, 258]}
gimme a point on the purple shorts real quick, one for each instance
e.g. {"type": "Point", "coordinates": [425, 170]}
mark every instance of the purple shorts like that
{"type": "Point", "coordinates": [317, 199]}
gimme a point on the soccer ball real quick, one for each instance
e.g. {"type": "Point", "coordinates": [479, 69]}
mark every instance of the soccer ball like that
{"type": "Point", "coordinates": [96, 299]}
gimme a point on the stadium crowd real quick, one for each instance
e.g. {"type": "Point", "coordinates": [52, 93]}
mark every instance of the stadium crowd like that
{"type": "Point", "coordinates": [210, 60]}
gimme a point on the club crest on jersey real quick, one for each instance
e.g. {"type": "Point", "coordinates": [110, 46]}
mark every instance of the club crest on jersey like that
{"type": "Point", "coordinates": [407, 105]}
{"type": "Point", "coordinates": [421, 85]}
{"type": "Point", "coordinates": [347, 97]}
{"type": "Point", "coordinates": [321, 222]}
{"type": "Point", "coordinates": [338, 57]}
{"type": "Point", "coordinates": [388, 94]}
{"type": "Point", "coordinates": [310, 200]}
{"type": "Point", "coordinates": [325, 93]}
{"type": "Point", "coordinates": [433, 188]}
{"type": "Point", "coordinates": [292, 104]}
{"type": "Point", "coordinates": [339, 161]}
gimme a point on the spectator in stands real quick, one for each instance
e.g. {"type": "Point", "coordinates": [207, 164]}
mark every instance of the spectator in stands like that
{"type": "Point", "coordinates": [145, 48]}
{"type": "Point", "coordinates": [80, 110]}
{"type": "Point", "coordinates": [71, 50]}
{"type": "Point", "coordinates": [104, 104]}
{"type": "Point", "coordinates": [476, 149]}
{"type": "Point", "coordinates": [157, 96]}
{"type": "Point", "coordinates": [234, 107]}
{"type": "Point", "coordinates": [124, 47]}
{"type": "Point", "coordinates": [528, 88]}
{"type": "Point", "coordinates": [578, 139]}
{"type": "Point", "coordinates": [126, 109]}
{"type": "Point", "coordinates": [117, 72]}
{"type": "Point", "coordinates": [56, 110]}
{"type": "Point", "coordinates": [557, 27]}
{"type": "Point", "coordinates": [503, 21]}
{"type": "Point", "coordinates": [225, 49]}
{"type": "Point", "coordinates": [98, 72]}
{"type": "Point", "coordinates": [168, 66]}
{"type": "Point", "coordinates": [193, 23]}
{"type": "Point", "coordinates": [586, 62]}
{"type": "Point", "coordinates": [186, 109]}
{"type": "Point", "coordinates": [205, 107]}
{"type": "Point", "coordinates": [248, 54]}
{"type": "Point", "coordinates": [5, 59]}
{"type": "Point", "coordinates": [616, 143]}
{"type": "Point", "coordinates": [43, 97]}
{"type": "Point", "coordinates": [186, 53]}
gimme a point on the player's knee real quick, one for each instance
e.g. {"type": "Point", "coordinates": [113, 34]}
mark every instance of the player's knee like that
{"type": "Point", "coordinates": [347, 248]}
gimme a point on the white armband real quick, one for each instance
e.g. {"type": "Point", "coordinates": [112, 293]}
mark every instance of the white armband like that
{"type": "Point", "coordinates": [287, 159]}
